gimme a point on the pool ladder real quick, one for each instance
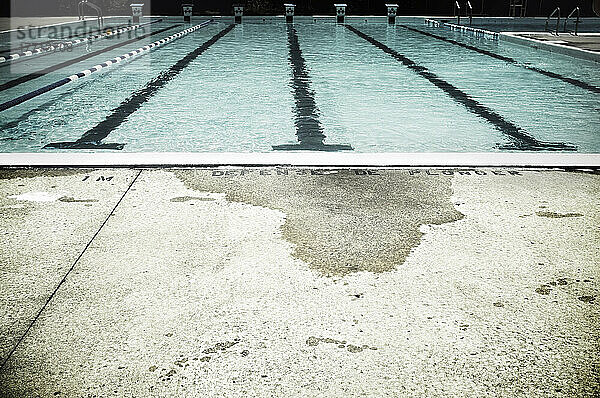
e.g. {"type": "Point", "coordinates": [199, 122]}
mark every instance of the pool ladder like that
{"type": "Point", "coordinates": [468, 12]}
{"type": "Point", "coordinates": [557, 13]}
{"type": "Point", "coordinates": [575, 11]}
{"type": "Point", "coordinates": [98, 10]}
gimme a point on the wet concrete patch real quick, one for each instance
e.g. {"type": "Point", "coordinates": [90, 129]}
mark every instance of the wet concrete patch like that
{"type": "Point", "coordinates": [587, 299]}
{"type": "Point", "coordinates": [551, 214]}
{"type": "Point", "coordinates": [182, 362]}
{"type": "Point", "coordinates": [223, 346]}
{"type": "Point", "coordinates": [315, 341]}
{"type": "Point", "coordinates": [6, 174]}
{"type": "Point", "coordinates": [342, 222]}
{"type": "Point", "coordinates": [188, 198]}
{"type": "Point", "coordinates": [36, 197]}
{"type": "Point", "coordinates": [543, 290]}
{"type": "Point", "coordinates": [69, 199]}
{"type": "Point", "coordinates": [167, 376]}
{"type": "Point", "coordinates": [575, 288]}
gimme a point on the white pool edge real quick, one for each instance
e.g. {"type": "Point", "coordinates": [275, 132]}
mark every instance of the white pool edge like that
{"type": "Point", "coordinates": [337, 159]}
{"type": "Point", "coordinates": [517, 38]}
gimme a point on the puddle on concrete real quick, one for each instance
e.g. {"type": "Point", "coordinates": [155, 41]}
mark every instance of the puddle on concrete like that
{"type": "Point", "coordinates": [551, 214]}
{"type": "Point", "coordinates": [344, 222]}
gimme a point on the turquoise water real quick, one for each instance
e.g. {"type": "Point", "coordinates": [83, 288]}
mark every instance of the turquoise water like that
{"type": "Point", "coordinates": [245, 94]}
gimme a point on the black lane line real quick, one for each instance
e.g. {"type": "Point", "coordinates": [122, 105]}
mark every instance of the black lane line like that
{"type": "Point", "coordinates": [67, 274]}
{"type": "Point", "coordinates": [45, 106]}
{"type": "Point", "coordinates": [308, 127]}
{"type": "Point", "coordinates": [521, 139]}
{"type": "Point", "coordinates": [575, 82]}
{"type": "Point", "coordinates": [93, 137]}
{"type": "Point", "coordinates": [35, 75]}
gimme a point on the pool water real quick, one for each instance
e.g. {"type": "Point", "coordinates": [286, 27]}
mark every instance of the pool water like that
{"type": "Point", "coordinates": [262, 87]}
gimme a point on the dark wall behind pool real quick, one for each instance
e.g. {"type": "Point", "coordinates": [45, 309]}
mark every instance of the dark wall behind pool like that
{"type": "Point", "coordinates": [270, 7]}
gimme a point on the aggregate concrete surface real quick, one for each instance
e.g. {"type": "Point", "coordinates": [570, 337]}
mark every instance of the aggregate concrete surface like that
{"type": "Point", "coordinates": [278, 282]}
{"type": "Point", "coordinates": [590, 42]}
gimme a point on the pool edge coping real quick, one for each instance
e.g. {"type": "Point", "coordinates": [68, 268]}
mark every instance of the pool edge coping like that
{"type": "Point", "coordinates": [575, 52]}
{"type": "Point", "coordinates": [320, 159]}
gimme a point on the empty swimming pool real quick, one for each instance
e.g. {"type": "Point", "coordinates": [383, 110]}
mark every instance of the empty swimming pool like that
{"type": "Point", "coordinates": [312, 85]}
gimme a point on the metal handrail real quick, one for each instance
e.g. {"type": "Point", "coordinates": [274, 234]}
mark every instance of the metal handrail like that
{"type": "Point", "coordinates": [92, 6]}
{"type": "Point", "coordinates": [468, 8]}
{"type": "Point", "coordinates": [457, 14]}
{"type": "Point", "coordinates": [575, 10]}
{"type": "Point", "coordinates": [556, 11]}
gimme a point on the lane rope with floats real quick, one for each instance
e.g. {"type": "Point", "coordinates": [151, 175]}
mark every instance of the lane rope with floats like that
{"type": "Point", "coordinates": [99, 67]}
{"type": "Point", "coordinates": [69, 44]}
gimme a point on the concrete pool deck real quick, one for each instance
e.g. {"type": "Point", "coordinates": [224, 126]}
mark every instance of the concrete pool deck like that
{"type": "Point", "coordinates": [292, 281]}
{"type": "Point", "coordinates": [584, 41]}
{"type": "Point", "coordinates": [585, 45]}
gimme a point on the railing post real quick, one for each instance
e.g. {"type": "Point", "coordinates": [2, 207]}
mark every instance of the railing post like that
{"type": "Point", "coordinates": [392, 12]}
